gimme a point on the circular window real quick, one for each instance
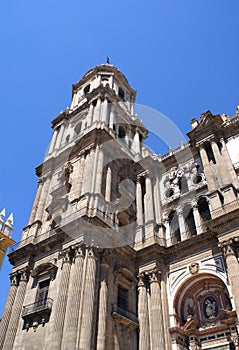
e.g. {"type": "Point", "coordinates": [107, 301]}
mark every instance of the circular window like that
{"type": "Point", "coordinates": [169, 193]}
{"type": "Point", "coordinates": [197, 179]}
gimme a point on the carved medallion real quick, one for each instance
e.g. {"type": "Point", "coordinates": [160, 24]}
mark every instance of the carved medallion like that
{"type": "Point", "coordinates": [193, 268]}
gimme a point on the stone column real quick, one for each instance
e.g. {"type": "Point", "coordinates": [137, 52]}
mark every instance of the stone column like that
{"type": "Point", "coordinates": [156, 319]}
{"type": "Point", "coordinates": [53, 141]}
{"type": "Point", "coordinates": [87, 320]}
{"type": "Point", "coordinates": [230, 168]}
{"type": "Point", "coordinates": [230, 257]}
{"type": "Point", "coordinates": [221, 169]}
{"type": "Point", "coordinates": [87, 176]}
{"type": "Point", "coordinates": [42, 200]}
{"type": "Point", "coordinates": [143, 313]}
{"type": "Point", "coordinates": [102, 311]}
{"type": "Point", "coordinates": [99, 170]}
{"type": "Point", "coordinates": [70, 330]}
{"type": "Point", "coordinates": [139, 203]}
{"type": "Point", "coordinates": [59, 137]}
{"type": "Point", "coordinates": [149, 208]}
{"type": "Point", "coordinates": [90, 115]}
{"type": "Point", "coordinates": [112, 116]}
{"type": "Point", "coordinates": [61, 301]}
{"type": "Point", "coordinates": [36, 202]}
{"type": "Point", "coordinates": [8, 308]}
{"type": "Point", "coordinates": [136, 142]}
{"type": "Point", "coordinates": [207, 168]}
{"type": "Point", "coordinates": [197, 219]}
{"type": "Point", "coordinates": [16, 310]}
{"type": "Point", "coordinates": [108, 184]}
{"type": "Point", "coordinates": [104, 114]}
{"type": "Point", "coordinates": [182, 226]}
{"type": "Point", "coordinates": [168, 237]}
{"type": "Point", "coordinates": [96, 114]}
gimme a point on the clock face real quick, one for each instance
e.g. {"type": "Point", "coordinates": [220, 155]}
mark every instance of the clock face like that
{"type": "Point", "coordinates": [210, 308]}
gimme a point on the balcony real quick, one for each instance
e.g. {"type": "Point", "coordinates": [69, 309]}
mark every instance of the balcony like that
{"type": "Point", "coordinates": [124, 317]}
{"type": "Point", "coordinates": [37, 313]}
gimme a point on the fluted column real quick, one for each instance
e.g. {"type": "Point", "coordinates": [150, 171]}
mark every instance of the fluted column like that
{"type": "Point", "coordinates": [16, 310]}
{"type": "Point", "coordinates": [61, 302]}
{"type": "Point", "coordinates": [143, 313]}
{"type": "Point", "coordinates": [102, 311]}
{"type": "Point", "coordinates": [87, 321]}
{"type": "Point", "coordinates": [229, 252]}
{"type": "Point", "coordinates": [8, 308]}
{"type": "Point", "coordinates": [69, 338]}
{"type": "Point", "coordinates": [207, 169]}
{"type": "Point", "coordinates": [108, 184]}
{"type": "Point", "coordinates": [156, 319]}
{"type": "Point", "coordinates": [36, 202]}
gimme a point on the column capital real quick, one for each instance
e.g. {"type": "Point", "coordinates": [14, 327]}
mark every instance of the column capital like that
{"type": "Point", "coordinates": [66, 255]}
{"type": "Point", "coordinates": [24, 274]}
{"type": "Point", "coordinates": [141, 278]}
{"type": "Point", "coordinates": [154, 275]}
{"type": "Point", "coordinates": [228, 247]}
{"type": "Point", "coordinates": [14, 279]}
{"type": "Point", "coordinates": [79, 250]}
{"type": "Point", "coordinates": [92, 252]}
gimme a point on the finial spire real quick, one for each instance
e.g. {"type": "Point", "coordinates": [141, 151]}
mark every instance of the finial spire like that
{"type": "Point", "coordinates": [107, 60]}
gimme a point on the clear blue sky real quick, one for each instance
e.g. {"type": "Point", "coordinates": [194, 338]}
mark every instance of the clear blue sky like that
{"type": "Point", "coordinates": [181, 56]}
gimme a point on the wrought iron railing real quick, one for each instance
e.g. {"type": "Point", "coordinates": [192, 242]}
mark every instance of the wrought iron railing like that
{"type": "Point", "coordinates": [36, 307]}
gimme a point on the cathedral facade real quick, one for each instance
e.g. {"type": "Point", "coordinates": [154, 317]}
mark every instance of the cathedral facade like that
{"type": "Point", "coordinates": [127, 249]}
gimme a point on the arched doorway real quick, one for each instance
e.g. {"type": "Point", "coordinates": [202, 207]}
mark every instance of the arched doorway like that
{"type": "Point", "coordinates": [203, 314]}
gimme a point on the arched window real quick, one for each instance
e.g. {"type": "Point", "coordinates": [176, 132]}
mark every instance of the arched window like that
{"type": "Point", "coordinates": [203, 209]}
{"type": "Point", "coordinates": [189, 221]}
{"type": "Point", "coordinates": [174, 227]}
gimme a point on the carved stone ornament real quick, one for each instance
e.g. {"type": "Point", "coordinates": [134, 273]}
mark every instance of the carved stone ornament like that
{"type": "Point", "coordinates": [194, 268]}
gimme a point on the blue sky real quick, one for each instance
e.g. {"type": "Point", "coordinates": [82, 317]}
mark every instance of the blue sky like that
{"type": "Point", "coordinates": [181, 56]}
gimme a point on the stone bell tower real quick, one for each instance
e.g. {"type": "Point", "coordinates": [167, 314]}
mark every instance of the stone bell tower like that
{"type": "Point", "coordinates": [74, 266]}
{"type": "Point", "coordinates": [126, 249]}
